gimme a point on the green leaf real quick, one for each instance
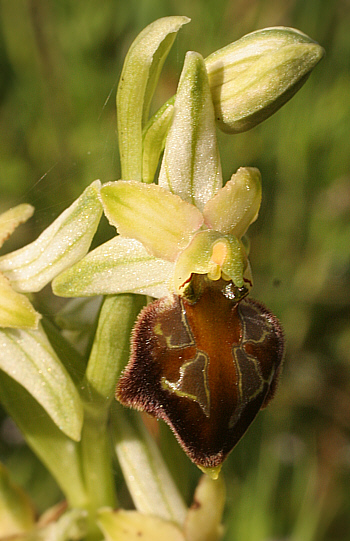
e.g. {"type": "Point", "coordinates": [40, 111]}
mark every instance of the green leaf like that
{"type": "Point", "coordinates": [149, 481]}
{"type": "Point", "coordinates": [154, 136]}
{"type": "Point", "coordinates": [132, 526]}
{"type": "Point", "coordinates": [191, 162]}
{"type": "Point", "coordinates": [162, 221]}
{"type": "Point", "coordinates": [15, 309]}
{"type": "Point", "coordinates": [118, 266]}
{"type": "Point", "coordinates": [60, 454]}
{"type": "Point", "coordinates": [27, 357]}
{"type": "Point", "coordinates": [253, 77]}
{"type": "Point", "coordinates": [237, 204]}
{"type": "Point", "coordinates": [63, 243]}
{"type": "Point", "coordinates": [141, 70]}
{"type": "Point", "coordinates": [16, 510]}
{"type": "Point", "coordinates": [203, 521]}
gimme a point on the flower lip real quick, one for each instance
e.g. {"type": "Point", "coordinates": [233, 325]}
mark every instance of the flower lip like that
{"type": "Point", "coordinates": [205, 366]}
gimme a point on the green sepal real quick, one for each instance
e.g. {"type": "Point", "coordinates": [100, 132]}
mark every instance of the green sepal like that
{"type": "Point", "coordinates": [253, 77]}
{"type": "Point", "coordinates": [28, 357]}
{"type": "Point", "coordinates": [59, 246]}
{"type": "Point", "coordinates": [141, 70]}
{"type": "Point", "coordinates": [191, 164]}
{"type": "Point", "coordinates": [160, 220]}
{"type": "Point", "coordinates": [154, 136]}
{"type": "Point", "coordinates": [118, 266]}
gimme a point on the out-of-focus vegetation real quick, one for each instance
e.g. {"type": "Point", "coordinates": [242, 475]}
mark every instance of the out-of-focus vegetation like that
{"type": "Point", "coordinates": [60, 60]}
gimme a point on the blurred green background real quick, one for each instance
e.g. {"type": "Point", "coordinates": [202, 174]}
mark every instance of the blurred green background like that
{"type": "Point", "coordinates": [289, 478]}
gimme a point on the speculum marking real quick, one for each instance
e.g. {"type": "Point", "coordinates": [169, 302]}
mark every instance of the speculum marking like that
{"type": "Point", "coordinates": [193, 382]}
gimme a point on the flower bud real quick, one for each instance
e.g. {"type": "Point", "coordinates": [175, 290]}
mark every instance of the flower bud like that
{"type": "Point", "coordinates": [253, 77]}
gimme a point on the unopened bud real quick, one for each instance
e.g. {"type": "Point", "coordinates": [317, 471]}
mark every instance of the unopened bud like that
{"type": "Point", "coordinates": [253, 77]}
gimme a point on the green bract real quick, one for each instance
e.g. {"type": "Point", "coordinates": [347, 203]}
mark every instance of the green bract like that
{"type": "Point", "coordinates": [28, 358]}
{"type": "Point", "coordinates": [138, 80]}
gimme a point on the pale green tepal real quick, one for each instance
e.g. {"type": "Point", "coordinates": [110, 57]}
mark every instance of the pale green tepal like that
{"type": "Point", "coordinates": [166, 238]}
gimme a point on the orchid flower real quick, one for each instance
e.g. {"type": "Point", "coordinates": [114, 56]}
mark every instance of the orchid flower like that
{"type": "Point", "coordinates": [202, 358]}
{"type": "Point", "coordinates": [187, 223]}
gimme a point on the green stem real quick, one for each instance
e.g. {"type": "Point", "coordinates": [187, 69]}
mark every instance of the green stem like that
{"type": "Point", "coordinates": [97, 466]}
{"type": "Point", "coordinates": [109, 355]}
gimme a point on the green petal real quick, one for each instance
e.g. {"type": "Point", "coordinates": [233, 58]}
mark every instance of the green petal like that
{"type": "Point", "coordinates": [15, 309]}
{"type": "Point", "coordinates": [198, 258]}
{"type": "Point", "coordinates": [28, 358]}
{"type": "Point", "coordinates": [154, 136]}
{"type": "Point", "coordinates": [10, 219]}
{"type": "Point", "coordinates": [132, 526]}
{"type": "Point", "coordinates": [63, 243]}
{"type": "Point", "coordinates": [162, 221]}
{"type": "Point", "coordinates": [253, 77]}
{"type": "Point", "coordinates": [138, 80]}
{"type": "Point", "coordinates": [237, 204]}
{"type": "Point", "coordinates": [118, 266]}
{"type": "Point", "coordinates": [191, 163]}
